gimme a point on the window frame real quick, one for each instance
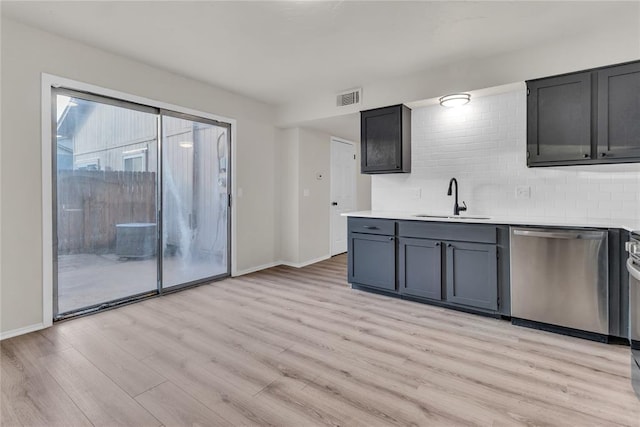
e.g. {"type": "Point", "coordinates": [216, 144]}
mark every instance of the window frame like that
{"type": "Point", "coordinates": [140, 155]}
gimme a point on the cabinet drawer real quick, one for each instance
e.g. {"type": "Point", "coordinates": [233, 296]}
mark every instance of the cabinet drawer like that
{"type": "Point", "coordinates": [372, 226]}
{"type": "Point", "coordinates": [447, 231]}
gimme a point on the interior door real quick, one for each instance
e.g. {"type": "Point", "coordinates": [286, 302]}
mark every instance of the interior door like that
{"type": "Point", "coordinates": [195, 200]}
{"type": "Point", "coordinates": [343, 191]}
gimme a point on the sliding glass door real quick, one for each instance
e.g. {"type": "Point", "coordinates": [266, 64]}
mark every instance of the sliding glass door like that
{"type": "Point", "coordinates": [109, 178]}
{"type": "Point", "coordinates": [195, 220]}
{"type": "Point", "coordinates": [105, 156]}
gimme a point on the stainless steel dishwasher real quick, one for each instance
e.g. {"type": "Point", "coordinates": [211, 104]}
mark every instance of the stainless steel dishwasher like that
{"type": "Point", "coordinates": [560, 277]}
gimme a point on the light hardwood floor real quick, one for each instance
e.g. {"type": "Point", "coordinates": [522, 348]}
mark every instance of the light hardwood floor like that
{"type": "Point", "coordinates": [293, 347]}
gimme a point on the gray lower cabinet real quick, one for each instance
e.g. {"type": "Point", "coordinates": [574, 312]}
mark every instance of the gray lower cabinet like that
{"type": "Point", "coordinates": [452, 264]}
{"type": "Point", "coordinates": [372, 260]}
{"type": "Point", "coordinates": [468, 271]}
{"type": "Point", "coordinates": [420, 272]}
{"type": "Point", "coordinates": [472, 274]}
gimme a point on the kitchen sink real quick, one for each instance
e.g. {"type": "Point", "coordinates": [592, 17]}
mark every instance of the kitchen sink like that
{"type": "Point", "coordinates": [451, 216]}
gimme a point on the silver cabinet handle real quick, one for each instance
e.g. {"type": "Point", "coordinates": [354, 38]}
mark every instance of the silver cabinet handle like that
{"type": "Point", "coordinates": [560, 234]}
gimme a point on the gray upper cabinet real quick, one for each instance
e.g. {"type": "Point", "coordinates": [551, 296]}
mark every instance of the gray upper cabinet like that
{"type": "Point", "coordinates": [619, 112]}
{"type": "Point", "coordinates": [588, 117]}
{"type": "Point", "coordinates": [385, 135]}
{"type": "Point", "coordinates": [559, 119]}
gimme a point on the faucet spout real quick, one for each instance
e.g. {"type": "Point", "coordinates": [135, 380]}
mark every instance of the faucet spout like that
{"type": "Point", "coordinates": [451, 182]}
{"type": "Point", "coordinates": [456, 207]}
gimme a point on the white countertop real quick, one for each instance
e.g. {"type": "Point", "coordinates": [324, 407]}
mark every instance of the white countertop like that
{"type": "Point", "coordinates": [629, 224]}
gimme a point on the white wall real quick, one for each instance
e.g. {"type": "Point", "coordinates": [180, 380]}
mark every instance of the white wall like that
{"type": "Point", "coordinates": [315, 158]}
{"type": "Point", "coordinates": [304, 200]}
{"type": "Point", "coordinates": [483, 144]}
{"type": "Point", "coordinates": [602, 46]}
{"type": "Point", "coordinates": [28, 52]}
{"type": "Point", "coordinates": [363, 186]}
{"type": "Point", "coordinates": [289, 217]}
{"type": "Point", "coordinates": [305, 219]}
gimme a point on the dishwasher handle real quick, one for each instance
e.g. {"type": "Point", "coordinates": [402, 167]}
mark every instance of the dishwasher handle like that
{"type": "Point", "coordinates": [570, 235]}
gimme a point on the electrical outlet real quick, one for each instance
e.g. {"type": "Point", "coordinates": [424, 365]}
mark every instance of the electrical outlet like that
{"type": "Point", "coordinates": [305, 192]}
{"type": "Point", "coordinates": [523, 192]}
{"type": "Point", "coordinates": [416, 193]}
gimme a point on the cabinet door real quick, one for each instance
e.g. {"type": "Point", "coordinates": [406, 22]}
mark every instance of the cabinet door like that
{"type": "Point", "coordinates": [381, 136]}
{"type": "Point", "coordinates": [619, 112]}
{"type": "Point", "coordinates": [420, 267]}
{"type": "Point", "coordinates": [372, 260]}
{"type": "Point", "coordinates": [472, 275]}
{"type": "Point", "coordinates": [559, 119]}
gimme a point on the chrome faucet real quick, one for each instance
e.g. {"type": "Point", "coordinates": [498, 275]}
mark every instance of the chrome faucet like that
{"type": "Point", "coordinates": [456, 208]}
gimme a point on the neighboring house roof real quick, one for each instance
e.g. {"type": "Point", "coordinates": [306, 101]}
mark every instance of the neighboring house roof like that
{"type": "Point", "coordinates": [72, 118]}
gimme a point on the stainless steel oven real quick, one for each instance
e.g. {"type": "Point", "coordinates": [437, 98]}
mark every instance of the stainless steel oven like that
{"type": "Point", "coordinates": [633, 266]}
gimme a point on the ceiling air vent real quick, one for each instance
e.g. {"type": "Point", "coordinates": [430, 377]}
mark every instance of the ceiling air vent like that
{"type": "Point", "coordinates": [350, 97]}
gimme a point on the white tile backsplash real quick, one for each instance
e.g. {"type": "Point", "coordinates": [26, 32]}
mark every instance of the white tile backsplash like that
{"type": "Point", "coordinates": [483, 145]}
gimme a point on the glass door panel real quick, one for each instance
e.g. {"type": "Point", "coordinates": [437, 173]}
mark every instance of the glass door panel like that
{"type": "Point", "coordinates": [195, 182]}
{"type": "Point", "coordinates": [105, 156]}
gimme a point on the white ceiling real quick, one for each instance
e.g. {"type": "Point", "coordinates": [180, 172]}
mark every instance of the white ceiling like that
{"type": "Point", "coordinates": [278, 51]}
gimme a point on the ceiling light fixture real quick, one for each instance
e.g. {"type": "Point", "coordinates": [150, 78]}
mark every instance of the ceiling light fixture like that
{"type": "Point", "coordinates": [185, 144]}
{"type": "Point", "coordinates": [455, 99]}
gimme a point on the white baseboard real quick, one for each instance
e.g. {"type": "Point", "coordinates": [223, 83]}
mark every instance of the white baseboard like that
{"type": "Point", "coordinates": [258, 268]}
{"type": "Point", "coordinates": [21, 331]}
{"type": "Point", "coordinates": [277, 263]}
{"type": "Point", "coordinates": [305, 263]}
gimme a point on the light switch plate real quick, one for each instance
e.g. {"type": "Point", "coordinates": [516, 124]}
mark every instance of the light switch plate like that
{"type": "Point", "coordinates": [305, 192]}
